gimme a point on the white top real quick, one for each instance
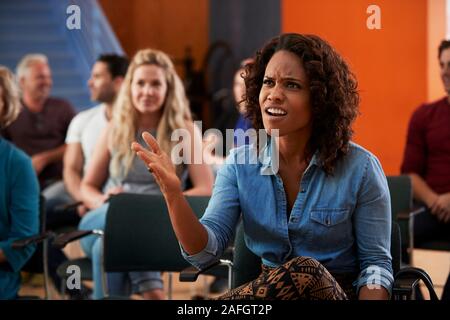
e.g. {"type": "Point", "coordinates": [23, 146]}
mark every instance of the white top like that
{"type": "Point", "coordinates": [85, 129]}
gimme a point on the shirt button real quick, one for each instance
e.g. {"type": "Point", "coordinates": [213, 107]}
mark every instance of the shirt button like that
{"type": "Point", "coordinates": [303, 190]}
{"type": "Point", "coordinates": [328, 221]}
{"type": "Point", "coordinates": [293, 219]}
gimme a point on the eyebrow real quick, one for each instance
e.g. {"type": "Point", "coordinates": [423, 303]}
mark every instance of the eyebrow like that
{"type": "Point", "coordinates": [287, 79]}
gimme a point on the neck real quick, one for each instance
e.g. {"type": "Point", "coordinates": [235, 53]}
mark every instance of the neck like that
{"type": "Point", "coordinates": [34, 105]}
{"type": "Point", "coordinates": [149, 121]}
{"type": "Point", "coordinates": [108, 110]}
{"type": "Point", "coordinates": [292, 148]}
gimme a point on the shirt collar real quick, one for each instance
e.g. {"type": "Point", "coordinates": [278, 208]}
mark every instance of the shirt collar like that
{"type": "Point", "coordinates": [268, 161]}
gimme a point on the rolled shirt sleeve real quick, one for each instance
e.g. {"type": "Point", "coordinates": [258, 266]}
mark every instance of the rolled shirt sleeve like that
{"type": "Point", "coordinates": [373, 277]}
{"type": "Point", "coordinates": [205, 257]}
{"type": "Point", "coordinates": [372, 220]}
{"type": "Point", "coordinates": [221, 216]}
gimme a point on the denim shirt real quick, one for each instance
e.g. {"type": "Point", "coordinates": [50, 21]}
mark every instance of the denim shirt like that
{"type": "Point", "coordinates": [342, 220]}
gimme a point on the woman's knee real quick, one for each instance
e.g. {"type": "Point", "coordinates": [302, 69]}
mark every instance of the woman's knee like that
{"type": "Point", "coordinates": [304, 262]}
{"type": "Point", "coordinates": [94, 219]}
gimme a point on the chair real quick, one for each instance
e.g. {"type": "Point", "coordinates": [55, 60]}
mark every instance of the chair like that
{"type": "Point", "coordinates": [37, 263]}
{"type": "Point", "coordinates": [138, 236]}
{"type": "Point", "coordinates": [403, 212]}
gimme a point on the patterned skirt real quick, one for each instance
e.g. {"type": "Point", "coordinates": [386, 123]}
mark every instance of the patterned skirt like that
{"type": "Point", "coordinates": [301, 278]}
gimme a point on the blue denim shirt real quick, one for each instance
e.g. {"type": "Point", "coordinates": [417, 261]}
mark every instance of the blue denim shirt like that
{"type": "Point", "coordinates": [342, 220]}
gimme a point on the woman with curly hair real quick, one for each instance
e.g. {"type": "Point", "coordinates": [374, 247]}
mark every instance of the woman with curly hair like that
{"type": "Point", "coordinates": [321, 223]}
{"type": "Point", "coordinates": [151, 98]}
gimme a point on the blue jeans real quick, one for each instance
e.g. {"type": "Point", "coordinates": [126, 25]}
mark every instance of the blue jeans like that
{"type": "Point", "coordinates": [119, 283]}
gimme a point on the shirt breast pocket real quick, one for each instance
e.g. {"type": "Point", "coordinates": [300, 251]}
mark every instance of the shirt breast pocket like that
{"type": "Point", "coordinates": [331, 227]}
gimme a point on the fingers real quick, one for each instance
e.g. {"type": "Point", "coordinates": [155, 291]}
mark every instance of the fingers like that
{"type": "Point", "coordinates": [434, 209]}
{"type": "Point", "coordinates": [146, 156]}
{"type": "Point", "coordinates": [159, 173]}
{"type": "Point", "coordinates": [114, 191]}
{"type": "Point", "coordinates": [136, 147]}
{"type": "Point", "coordinates": [151, 142]}
{"type": "Point", "coordinates": [443, 215]}
{"type": "Point", "coordinates": [446, 218]}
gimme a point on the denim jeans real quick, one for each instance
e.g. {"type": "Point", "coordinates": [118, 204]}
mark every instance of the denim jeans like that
{"type": "Point", "coordinates": [56, 196]}
{"type": "Point", "coordinates": [119, 283]}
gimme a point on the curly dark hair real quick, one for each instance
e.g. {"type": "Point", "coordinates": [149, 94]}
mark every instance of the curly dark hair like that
{"type": "Point", "coordinates": [334, 95]}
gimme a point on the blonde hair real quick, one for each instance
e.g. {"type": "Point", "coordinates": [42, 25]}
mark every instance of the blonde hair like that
{"type": "Point", "coordinates": [10, 97]}
{"type": "Point", "coordinates": [27, 61]}
{"type": "Point", "coordinates": [125, 117]}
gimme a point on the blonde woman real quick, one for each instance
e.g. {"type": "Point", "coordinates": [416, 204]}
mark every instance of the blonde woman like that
{"type": "Point", "coordinates": [152, 98]}
{"type": "Point", "coordinates": [19, 195]}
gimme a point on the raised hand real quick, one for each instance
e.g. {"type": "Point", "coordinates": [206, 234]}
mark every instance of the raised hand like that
{"type": "Point", "coordinates": [159, 164]}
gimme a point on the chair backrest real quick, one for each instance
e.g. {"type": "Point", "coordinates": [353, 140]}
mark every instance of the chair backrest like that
{"type": "Point", "coordinates": [139, 234]}
{"type": "Point", "coordinates": [396, 247]}
{"type": "Point", "coordinates": [400, 190]}
{"type": "Point", "coordinates": [247, 266]}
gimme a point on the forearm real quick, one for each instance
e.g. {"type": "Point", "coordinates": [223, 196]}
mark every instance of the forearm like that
{"type": "Point", "coordinates": [72, 181]}
{"type": "Point", "coordinates": [189, 231]}
{"type": "Point", "coordinates": [53, 155]}
{"type": "Point", "coordinates": [198, 191]}
{"type": "Point", "coordinates": [422, 191]}
{"type": "Point", "coordinates": [373, 294]}
{"type": "Point", "coordinates": [91, 196]}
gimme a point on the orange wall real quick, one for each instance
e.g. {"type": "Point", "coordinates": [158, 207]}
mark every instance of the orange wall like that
{"type": "Point", "coordinates": [170, 26]}
{"type": "Point", "coordinates": [390, 64]}
{"type": "Point", "coordinates": [436, 33]}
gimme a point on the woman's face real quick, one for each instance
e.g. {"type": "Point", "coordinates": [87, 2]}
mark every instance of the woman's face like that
{"type": "Point", "coordinates": [239, 90]}
{"type": "Point", "coordinates": [284, 98]}
{"type": "Point", "coordinates": [148, 89]}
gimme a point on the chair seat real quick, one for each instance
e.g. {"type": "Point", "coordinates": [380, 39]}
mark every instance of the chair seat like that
{"type": "Point", "coordinates": [84, 264]}
{"type": "Point", "coordinates": [66, 229]}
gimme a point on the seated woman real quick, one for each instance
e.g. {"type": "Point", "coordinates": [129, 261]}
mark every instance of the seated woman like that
{"type": "Point", "coordinates": [241, 125]}
{"type": "Point", "coordinates": [152, 98]}
{"type": "Point", "coordinates": [315, 206]}
{"type": "Point", "coordinates": [19, 195]}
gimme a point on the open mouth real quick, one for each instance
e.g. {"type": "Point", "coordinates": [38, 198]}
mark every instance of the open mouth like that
{"type": "Point", "coordinates": [275, 111]}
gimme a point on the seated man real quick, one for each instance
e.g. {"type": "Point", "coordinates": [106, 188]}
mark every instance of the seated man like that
{"type": "Point", "coordinates": [41, 126]}
{"type": "Point", "coordinates": [427, 161]}
{"type": "Point", "coordinates": [106, 78]}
